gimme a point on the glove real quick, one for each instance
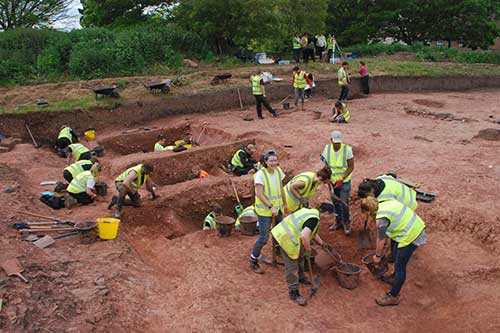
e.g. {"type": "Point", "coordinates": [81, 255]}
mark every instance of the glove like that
{"type": "Point", "coordinates": [307, 254]}
{"type": "Point", "coordinates": [338, 183]}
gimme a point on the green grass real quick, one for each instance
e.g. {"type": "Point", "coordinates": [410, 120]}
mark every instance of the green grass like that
{"type": "Point", "coordinates": [84, 103]}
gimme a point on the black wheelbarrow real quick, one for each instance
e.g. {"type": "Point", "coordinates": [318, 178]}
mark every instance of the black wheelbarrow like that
{"type": "Point", "coordinates": [221, 78]}
{"type": "Point", "coordinates": [106, 91]}
{"type": "Point", "coordinates": [158, 86]}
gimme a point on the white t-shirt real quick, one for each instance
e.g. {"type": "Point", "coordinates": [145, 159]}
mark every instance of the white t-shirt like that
{"type": "Point", "coordinates": [259, 177]}
{"type": "Point", "coordinates": [90, 183]}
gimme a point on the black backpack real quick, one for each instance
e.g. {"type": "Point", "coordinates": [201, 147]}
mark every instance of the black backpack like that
{"type": "Point", "coordinates": [51, 200]}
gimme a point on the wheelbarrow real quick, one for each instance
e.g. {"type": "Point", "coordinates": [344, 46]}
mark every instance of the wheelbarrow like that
{"type": "Point", "coordinates": [106, 91]}
{"type": "Point", "coordinates": [158, 86]}
{"type": "Point", "coordinates": [220, 78]}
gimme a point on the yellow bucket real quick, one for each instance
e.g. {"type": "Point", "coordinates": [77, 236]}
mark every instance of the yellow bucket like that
{"type": "Point", "coordinates": [108, 227]}
{"type": "Point", "coordinates": [179, 143]}
{"type": "Point", "coordinates": [89, 135]}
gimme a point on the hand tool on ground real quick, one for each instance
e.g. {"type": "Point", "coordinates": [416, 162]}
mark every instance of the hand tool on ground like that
{"type": "Point", "coordinates": [283, 100]}
{"type": "Point", "coordinates": [364, 238]}
{"type": "Point", "coordinates": [45, 230]}
{"type": "Point", "coordinates": [425, 196]}
{"type": "Point", "coordinates": [239, 97]}
{"type": "Point", "coordinates": [203, 128]}
{"type": "Point", "coordinates": [315, 282]}
{"type": "Point", "coordinates": [48, 182]}
{"type": "Point", "coordinates": [239, 207]}
{"type": "Point", "coordinates": [32, 138]}
{"type": "Point", "coordinates": [275, 261]}
{"type": "Point", "coordinates": [34, 225]}
{"type": "Point", "coordinates": [47, 240]}
{"type": "Point", "coordinates": [13, 267]}
{"type": "Point", "coordinates": [38, 215]}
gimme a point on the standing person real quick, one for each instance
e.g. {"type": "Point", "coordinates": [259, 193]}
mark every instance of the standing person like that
{"type": "Point", "coordinates": [259, 92]}
{"type": "Point", "coordinates": [294, 235]}
{"type": "Point", "coordinates": [332, 44]}
{"type": "Point", "coordinates": [386, 188]}
{"type": "Point", "coordinates": [320, 45]}
{"type": "Point", "coordinates": [270, 203]}
{"type": "Point", "coordinates": [128, 183]}
{"type": "Point", "coordinates": [344, 80]}
{"type": "Point", "coordinates": [310, 49]}
{"type": "Point", "coordinates": [82, 188]}
{"type": "Point", "coordinates": [302, 187]}
{"type": "Point", "coordinates": [365, 78]}
{"type": "Point", "coordinates": [242, 162]}
{"type": "Point", "coordinates": [340, 159]}
{"type": "Point", "coordinates": [309, 87]}
{"type": "Point", "coordinates": [405, 229]}
{"type": "Point", "coordinates": [340, 113]}
{"type": "Point", "coordinates": [78, 152]}
{"type": "Point", "coordinates": [299, 80]}
{"type": "Point", "coordinates": [296, 47]}
{"type": "Point", "coordinates": [304, 41]}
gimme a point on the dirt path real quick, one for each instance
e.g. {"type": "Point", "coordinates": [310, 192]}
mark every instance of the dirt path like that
{"type": "Point", "coordinates": [164, 274]}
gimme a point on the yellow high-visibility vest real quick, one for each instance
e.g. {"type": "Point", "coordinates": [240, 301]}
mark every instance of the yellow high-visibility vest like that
{"type": "Point", "coordinates": [299, 80]}
{"type": "Point", "coordinates": [249, 211]}
{"type": "Point", "coordinates": [256, 89]}
{"type": "Point", "coordinates": [77, 149]}
{"type": "Point", "coordinates": [405, 225]}
{"type": "Point", "coordinates": [287, 233]}
{"type": "Point", "coordinates": [272, 191]}
{"type": "Point", "coordinates": [395, 190]}
{"type": "Point", "coordinates": [236, 160]}
{"type": "Point", "coordinates": [79, 183]}
{"type": "Point", "coordinates": [77, 167]}
{"type": "Point", "coordinates": [306, 191]}
{"type": "Point", "coordinates": [210, 220]}
{"type": "Point", "coordinates": [342, 77]}
{"type": "Point", "coordinates": [138, 181]}
{"type": "Point", "coordinates": [66, 133]}
{"type": "Point", "coordinates": [296, 43]}
{"type": "Point", "coordinates": [338, 165]}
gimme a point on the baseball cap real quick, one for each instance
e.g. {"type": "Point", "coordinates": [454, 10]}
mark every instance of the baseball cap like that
{"type": "Point", "coordinates": [336, 137]}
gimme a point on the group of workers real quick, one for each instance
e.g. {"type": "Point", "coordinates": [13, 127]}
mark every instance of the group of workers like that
{"type": "Point", "coordinates": [284, 211]}
{"type": "Point", "coordinates": [83, 171]}
{"type": "Point", "coordinates": [309, 46]}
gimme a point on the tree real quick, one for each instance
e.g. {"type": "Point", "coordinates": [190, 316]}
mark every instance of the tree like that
{"type": "Point", "coordinates": [28, 14]}
{"type": "Point", "coordinates": [101, 13]}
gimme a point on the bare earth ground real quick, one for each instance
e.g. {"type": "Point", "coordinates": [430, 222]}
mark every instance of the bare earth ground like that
{"type": "Point", "coordinates": [162, 274]}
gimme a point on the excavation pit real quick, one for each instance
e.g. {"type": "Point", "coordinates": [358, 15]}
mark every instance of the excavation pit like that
{"type": "Point", "coordinates": [143, 139]}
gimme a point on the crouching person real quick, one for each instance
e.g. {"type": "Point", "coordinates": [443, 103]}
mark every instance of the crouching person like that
{"type": "Point", "coordinates": [128, 183]}
{"type": "Point", "coordinates": [210, 220]}
{"type": "Point", "coordinates": [294, 236]}
{"type": "Point", "coordinates": [81, 189]}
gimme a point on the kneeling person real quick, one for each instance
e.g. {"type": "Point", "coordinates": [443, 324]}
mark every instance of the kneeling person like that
{"type": "Point", "coordinates": [242, 162]}
{"type": "Point", "coordinates": [76, 168]}
{"type": "Point", "coordinates": [128, 183]}
{"type": "Point", "coordinates": [209, 223]}
{"type": "Point", "coordinates": [294, 236]}
{"type": "Point", "coordinates": [82, 188]}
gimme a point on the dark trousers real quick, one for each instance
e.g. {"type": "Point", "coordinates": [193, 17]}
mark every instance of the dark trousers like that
{"type": "Point", "coordinates": [68, 176]}
{"type": "Point", "coordinates": [401, 258]}
{"type": "Point", "coordinates": [319, 51]}
{"type": "Point", "coordinates": [344, 91]}
{"type": "Point", "coordinates": [296, 55]}
{"type": "Point", "coordinates": [63, 143]}
{"type": "Point", "coordinates": [308, 53]}
{"type": "Point", "coordinates": [365, 84]}
{"type": "Point", "coordinates": [82, 198]}
{"type": "Point", "coordinates": [238, 171]}
{"type": "Point", "coordinates": [85, 156]}
{"type": "Point", "coordinates": [259, 100]}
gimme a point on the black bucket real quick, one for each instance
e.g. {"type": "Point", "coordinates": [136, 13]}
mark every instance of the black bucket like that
{"type": "Point", "coordinates": [286, 106]}
{"type": "Point", "coordinates": [224, 225]}
{"type": "Point", "coordinates": [99, 151]}
{"type": "Point", "coordinates": [101, 188]}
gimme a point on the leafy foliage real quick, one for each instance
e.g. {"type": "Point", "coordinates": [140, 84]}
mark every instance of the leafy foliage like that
{"type": "Point", "coordinates": [27, 14]}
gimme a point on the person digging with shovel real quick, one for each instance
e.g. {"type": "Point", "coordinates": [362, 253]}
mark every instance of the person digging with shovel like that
{"type": "Point", "coordinates": [405, 229]}
{"type": "Point", "coordinates": [294, 235]}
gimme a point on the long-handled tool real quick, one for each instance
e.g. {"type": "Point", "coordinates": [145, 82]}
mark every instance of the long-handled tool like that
{"type": "Point", "coordinates": [45, 230]}
{"type": "Point", "coordinates": [315, 282]}
{"type": "Point", "coordinates": [239, 207]}
{"type": "Point", "coordinates": [35, 225]}
{"type": "Point", "coordinates": [239, 97]}
{"type": "Point", "coordinates": [275, 260]}
{"type": "Point", "coordinates": [13, 267]}
{"type": "Point", "coordinates": [203, 128]}
{"type": "Point", "coordinates": [364, 239]}
{"type": "Point", "coordinates": [32, 138]}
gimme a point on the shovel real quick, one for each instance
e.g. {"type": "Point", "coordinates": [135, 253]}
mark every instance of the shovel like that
{"type": "Point", "coordinates": [239, 207]}
{"type": "Point", "coordinates": [364, 238]}
{"type": "Point", "coordinates": [315, 281]}
{"type": "Point", "coordinates": [32, 138]}
{"type": "Point", "coordinates": [13, 267]}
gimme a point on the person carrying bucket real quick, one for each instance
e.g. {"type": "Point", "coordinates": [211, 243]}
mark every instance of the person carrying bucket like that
{"type": "Point", "coordinates": [302, 187]}
{"type": "Point", "coordinates": [270, 204]}
{"type": "Point", "coordinates": [128, 183]}
{"type": "Point", "coordinates": [405, 229]}
{"type": "Point", "coordinates": [294, 236]}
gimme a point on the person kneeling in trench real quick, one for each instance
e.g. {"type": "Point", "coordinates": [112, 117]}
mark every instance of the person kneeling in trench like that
{"type": "Point", "coordinates": [405, 229]}
{"type": "Point", "coordinates": [82, 188]}
{"type": "Point", "coordinates": [128, 183]}
{"type": "Point", "coordinates": [294, 236]}
{"type": "Point", "coordinates": [209, 223]}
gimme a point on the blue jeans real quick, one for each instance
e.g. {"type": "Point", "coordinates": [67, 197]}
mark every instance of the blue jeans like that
{"type": "Point", "coordinates": [401, 258]}
{"type": "Point", "coordinates": [342, 211]}
{"type": "Point", "coordinates": [264, 230]}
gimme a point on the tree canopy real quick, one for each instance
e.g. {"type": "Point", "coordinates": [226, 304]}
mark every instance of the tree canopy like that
{"type": "Point", "coordinates": [28, 14]}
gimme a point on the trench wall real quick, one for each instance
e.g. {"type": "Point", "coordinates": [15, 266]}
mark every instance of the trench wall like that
{"type": "Point", "coordinates": [45, 125]}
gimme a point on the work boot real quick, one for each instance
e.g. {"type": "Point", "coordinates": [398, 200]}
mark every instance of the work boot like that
{"type": "Point", "coordinates": [69, 201]}
{"type": "Point", "coordinates": [297, 298]}
{"type": "Point", "coordinates": [387, 300]}
{"type": "Point", "coordinates": [347, 229]}
{"type": "Point", "coordinates": [304, 280]}
{"type": "Point", "coordinates": [254, 266]}
{"type": "Point", "coordinates": [113, 202]}
{"type": "Point", "coordinates": [117, 213]}
{"type": "Point", "coordinates": [265, 260]}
